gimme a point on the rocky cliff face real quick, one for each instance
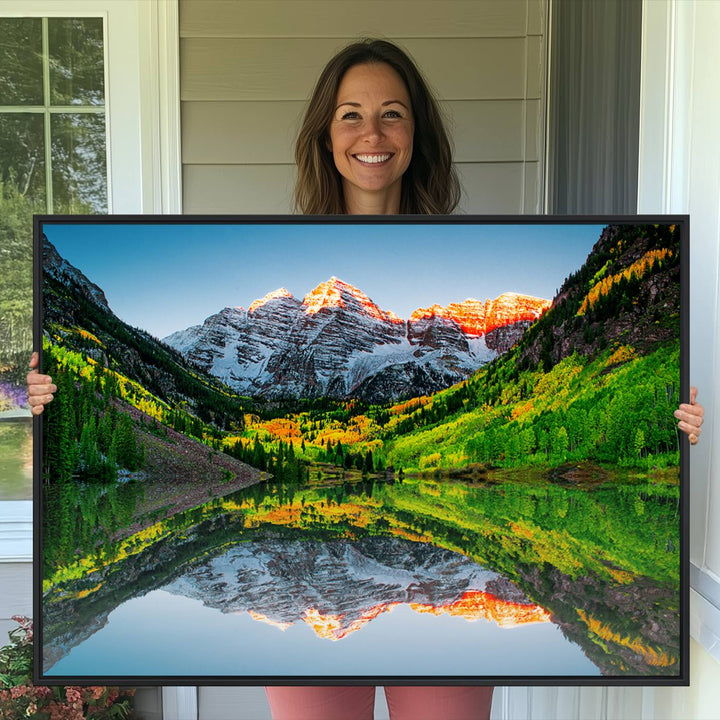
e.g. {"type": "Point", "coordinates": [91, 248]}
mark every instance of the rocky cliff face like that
{"type": "Point", "coordinates": [337, 342]}
{"type": "Point", "coordinates": [60, 269]}
{"type": "Point", "coordinates": [628, 291]}
{"type": "Point", "coordinates": [477, 317]}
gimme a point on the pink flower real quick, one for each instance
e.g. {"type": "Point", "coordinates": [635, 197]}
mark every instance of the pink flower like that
{"type": "Point", "coordinates": [73, 695]}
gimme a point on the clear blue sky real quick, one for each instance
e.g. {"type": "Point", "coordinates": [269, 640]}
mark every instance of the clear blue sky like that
{"type": "Point", "coordinates": [164, 277]}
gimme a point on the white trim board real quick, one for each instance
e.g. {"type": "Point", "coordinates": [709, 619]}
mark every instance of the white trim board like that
{"type": "Point", "coordinates": [16, 531]}
{"type": "Point", "coordinates": [180, 703]}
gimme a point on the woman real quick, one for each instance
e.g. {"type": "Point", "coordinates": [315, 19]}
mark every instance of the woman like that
{"type": "Point", "coordinates": [373, 142]}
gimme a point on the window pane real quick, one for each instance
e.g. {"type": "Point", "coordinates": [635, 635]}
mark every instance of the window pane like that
{"type": "Point", "coordinates": [21, 69]}
{"type": "Point", "coordinates": [15, 460]}
{"type": "Point", "coordinates": [22, 192]}
{"type": "Point", "coordinates": [76, 61]}
{"type": "Point", "coordinates": [16, 298]}
{"type": "Point", "coordinates": [79, 165]}
{"type": "Point", "coordinates": [22, 157]}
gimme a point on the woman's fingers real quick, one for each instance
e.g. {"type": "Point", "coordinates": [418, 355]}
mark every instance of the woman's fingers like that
{"type": "Point", "coordinates": [690, 417]}
{"type": "Point", "coordinates": [40, 387]}
{"type": "Point", "coordinates": [37, 404]}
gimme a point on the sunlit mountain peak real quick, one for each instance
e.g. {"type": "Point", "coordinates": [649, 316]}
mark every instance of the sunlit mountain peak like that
{"type": "Point", "coordinates": [477, 317]}
{"type": "Point", "coordinates": [274, 295]}
{"type": "Point", "coordinates": [336, 293]}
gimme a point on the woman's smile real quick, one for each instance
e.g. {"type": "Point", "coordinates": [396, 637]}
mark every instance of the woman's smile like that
{"type": "Point", "coordinates": [373, 159]}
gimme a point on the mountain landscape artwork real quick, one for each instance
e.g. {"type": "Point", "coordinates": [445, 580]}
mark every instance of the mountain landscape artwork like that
{"type": "Point", "coordinates": [363, 450]}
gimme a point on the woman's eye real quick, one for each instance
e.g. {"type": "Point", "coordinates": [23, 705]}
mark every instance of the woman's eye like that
{"type": "Point", "coordinates": [392, 114]}
{"type": "Point", "coordinates": [350, 115]}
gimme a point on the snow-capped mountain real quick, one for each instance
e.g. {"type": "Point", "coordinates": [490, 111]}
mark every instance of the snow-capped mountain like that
{"type": "Point", "coordinates": [337, 342]}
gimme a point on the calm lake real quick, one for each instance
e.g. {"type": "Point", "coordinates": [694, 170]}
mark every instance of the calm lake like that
{"type": "Point", "coordinates": [423, 577]}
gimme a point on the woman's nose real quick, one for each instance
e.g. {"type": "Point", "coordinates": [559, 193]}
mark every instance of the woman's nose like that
{"type": "Point", "coordinates": [373, 129]}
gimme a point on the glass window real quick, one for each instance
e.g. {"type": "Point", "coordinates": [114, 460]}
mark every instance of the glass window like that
{"type": "Point", "coordinates": [53, 159]}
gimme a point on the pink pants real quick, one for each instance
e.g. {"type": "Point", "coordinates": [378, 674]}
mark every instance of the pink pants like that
{"type": "Point", "coordinates": [357, 703]}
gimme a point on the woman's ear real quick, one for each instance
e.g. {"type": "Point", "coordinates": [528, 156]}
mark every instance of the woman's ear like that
{"type": "Point", "coordinates": [328, 144]}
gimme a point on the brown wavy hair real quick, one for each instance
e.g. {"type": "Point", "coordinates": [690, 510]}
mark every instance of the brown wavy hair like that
{"type": "Point", "coordinates": [430, 184]}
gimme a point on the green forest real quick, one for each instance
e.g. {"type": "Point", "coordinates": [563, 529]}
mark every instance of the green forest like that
{"type": "Point", "coordinates": [607, 402]}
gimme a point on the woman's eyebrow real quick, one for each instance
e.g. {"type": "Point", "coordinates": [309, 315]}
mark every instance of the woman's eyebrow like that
{"type": "Point", "coordinates": [383, 104]}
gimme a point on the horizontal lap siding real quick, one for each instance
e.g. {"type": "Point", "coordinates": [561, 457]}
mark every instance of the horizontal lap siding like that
{"type": "Point", "coordinates": [349, 18]}
{"type": "Point", "coordinates": [238, 189]}
{"type": "Point", "coordinates": [247, 69]}
{"type": "Point", "coordinates": [251, 69]}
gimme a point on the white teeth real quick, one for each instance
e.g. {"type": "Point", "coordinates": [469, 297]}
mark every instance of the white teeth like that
{"type": "Point", "coordinates": [373, 158]}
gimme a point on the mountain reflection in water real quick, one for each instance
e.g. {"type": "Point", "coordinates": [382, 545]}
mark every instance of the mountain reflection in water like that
{"type": "Point", "coordinates": [458, 562]}
{"type": "Point", "coordinates": [337, 587]}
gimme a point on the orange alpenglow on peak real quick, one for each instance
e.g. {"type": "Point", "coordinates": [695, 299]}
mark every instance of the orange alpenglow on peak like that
{"type": "Point", "coordinates": [336, 293]}
{"type": "Point", "coordinates": [274, 295]}
{"type": "Point", "coordinates": [477, 317]}
{"type": "Point", "coordinates": [478, 605]}
{"type": "Point", "coordinates": [473, 605]}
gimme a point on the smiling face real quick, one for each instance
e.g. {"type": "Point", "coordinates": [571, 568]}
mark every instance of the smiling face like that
{"type": "Point", "coordinates": [371, 137]}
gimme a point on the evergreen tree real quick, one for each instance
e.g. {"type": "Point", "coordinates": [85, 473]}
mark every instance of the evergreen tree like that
{"type": "Point", "coordinates": [60, 445]}
{"type": "Point", "coordinates": [125, 445]}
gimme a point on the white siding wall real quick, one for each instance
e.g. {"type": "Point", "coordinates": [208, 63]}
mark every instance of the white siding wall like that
{"type": "Point", "coordinates": [248, 67]}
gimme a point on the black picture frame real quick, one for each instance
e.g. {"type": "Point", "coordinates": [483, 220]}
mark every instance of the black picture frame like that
{"type": "Point", "coordinates": [67, 526]}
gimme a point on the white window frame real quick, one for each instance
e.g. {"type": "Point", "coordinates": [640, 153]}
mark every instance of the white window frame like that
{"type": "Point", "coordinates": [142, 102]}
{"type": "Point", "coordinates": [142, 96]}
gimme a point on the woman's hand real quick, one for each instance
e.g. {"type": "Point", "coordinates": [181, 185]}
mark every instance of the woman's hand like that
{"type": "Point", "coordinates": [690, 416]}
{"type": "Point", "coordinates": [40, 387]}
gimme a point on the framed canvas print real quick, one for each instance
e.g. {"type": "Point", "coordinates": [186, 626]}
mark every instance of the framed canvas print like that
{"type": "Point", "coordinates": [362, 450]}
